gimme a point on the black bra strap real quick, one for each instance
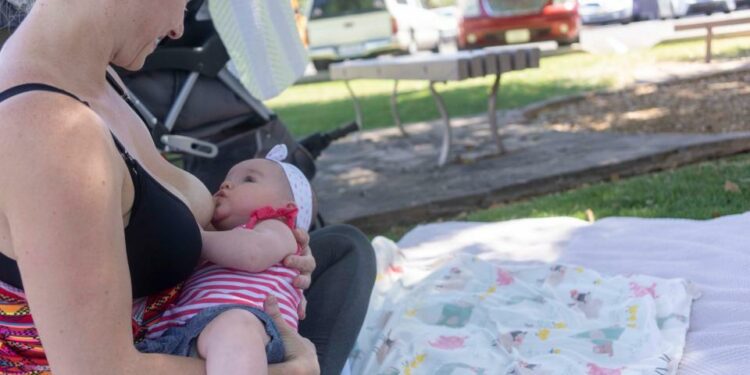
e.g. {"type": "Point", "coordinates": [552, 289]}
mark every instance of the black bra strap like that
{"type": "Point", "coordinates": [120, 91]}
{"type": "Point", "coordinates": [20, 89]}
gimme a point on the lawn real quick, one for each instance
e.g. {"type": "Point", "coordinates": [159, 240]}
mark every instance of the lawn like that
{"type": "Point", "coordinates": [322, 106]}
{"type": "Point", "coordinates": [701, 191]}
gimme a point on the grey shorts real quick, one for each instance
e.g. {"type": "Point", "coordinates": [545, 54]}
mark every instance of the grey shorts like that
{"type": "Point", "coordinates": [183, 340]}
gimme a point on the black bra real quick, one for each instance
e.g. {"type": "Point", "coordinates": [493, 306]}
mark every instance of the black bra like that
{"type": "Point", "coordinates": [162, 239]}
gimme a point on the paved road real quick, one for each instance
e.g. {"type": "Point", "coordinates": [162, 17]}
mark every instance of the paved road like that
{"type": "Point", "coordinates": [621, 38]}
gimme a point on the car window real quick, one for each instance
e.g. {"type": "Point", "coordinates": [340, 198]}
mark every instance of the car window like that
{"type": "Point", "coordinates": [432, 4]}
{"type": "Point", "coordinates": [515, 6]}
{"type": "Point", "coordinates": [336, 8]}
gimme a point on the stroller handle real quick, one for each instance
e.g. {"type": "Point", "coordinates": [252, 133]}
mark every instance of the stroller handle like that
{"type": "Point", "coordinates": [189, 145]}
{"type": "Point", "coordinates": [317, 142]}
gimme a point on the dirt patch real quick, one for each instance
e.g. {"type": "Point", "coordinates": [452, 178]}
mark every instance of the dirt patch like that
{"type": "Point", "coordinates": [714, 104]}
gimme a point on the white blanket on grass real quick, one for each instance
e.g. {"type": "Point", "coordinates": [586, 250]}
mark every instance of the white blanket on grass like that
{"type": "Point", "coordinates": [711, 253]}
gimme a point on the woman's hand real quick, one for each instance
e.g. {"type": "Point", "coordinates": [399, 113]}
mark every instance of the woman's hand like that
{"type": "Point", "coordinates": [305, 264]}
{"type": "Point", "coordinates": [300, 352]}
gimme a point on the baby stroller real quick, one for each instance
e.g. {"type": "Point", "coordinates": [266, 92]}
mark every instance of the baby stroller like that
{"type": "Point", "coordinates": [199, 111]}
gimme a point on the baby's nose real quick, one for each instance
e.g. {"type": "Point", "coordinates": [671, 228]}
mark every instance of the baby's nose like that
{"type": "Point", "coordinates": [225, 185]}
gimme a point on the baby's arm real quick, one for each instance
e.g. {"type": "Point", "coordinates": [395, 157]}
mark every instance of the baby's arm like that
{"type": "Point", "coordinates": [252, 250]}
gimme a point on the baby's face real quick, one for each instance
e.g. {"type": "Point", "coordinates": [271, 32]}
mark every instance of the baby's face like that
{"type": "Point", "coordinates": [249, 185]}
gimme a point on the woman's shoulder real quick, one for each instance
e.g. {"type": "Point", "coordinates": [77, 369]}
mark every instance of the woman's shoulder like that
{"type": "Point", "coordinates": [48, 125]}
{"type": "Point", "coordinates": [46, 115]}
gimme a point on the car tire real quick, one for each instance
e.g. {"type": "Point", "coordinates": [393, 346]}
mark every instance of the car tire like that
{"type": "Point", "coordinates": [413, 46]}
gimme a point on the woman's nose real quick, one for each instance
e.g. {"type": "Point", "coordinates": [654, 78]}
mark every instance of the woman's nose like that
{"type": "Point", "coordinates": [177, 32]}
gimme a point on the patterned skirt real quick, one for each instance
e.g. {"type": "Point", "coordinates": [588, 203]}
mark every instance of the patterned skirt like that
{"type": "Point", "coordinates": [21, 351]}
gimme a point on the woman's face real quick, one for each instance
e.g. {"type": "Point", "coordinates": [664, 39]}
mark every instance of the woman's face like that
{"type": "Point", "coordinates": [150, 21]}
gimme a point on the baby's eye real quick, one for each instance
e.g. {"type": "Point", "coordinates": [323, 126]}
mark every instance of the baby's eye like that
{"type": "Point", "coordinates": [249, 179]}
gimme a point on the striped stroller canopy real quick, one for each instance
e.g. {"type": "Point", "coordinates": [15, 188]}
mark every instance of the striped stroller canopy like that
{"type": "Point", "coordinates": [263, 43]}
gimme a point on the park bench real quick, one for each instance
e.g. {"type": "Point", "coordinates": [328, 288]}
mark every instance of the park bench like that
{"type": "Point", "coordinates": [435, 68]}
{"type": "Point", "coordinates": [710, 25]}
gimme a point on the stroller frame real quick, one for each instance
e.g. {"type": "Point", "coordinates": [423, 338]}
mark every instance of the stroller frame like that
{"type": "Point", "coordinates": [209, 59]}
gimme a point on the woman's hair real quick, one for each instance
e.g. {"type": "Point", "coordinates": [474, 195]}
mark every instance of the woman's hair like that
{"type": "Point", "coordinates": [12, 12]}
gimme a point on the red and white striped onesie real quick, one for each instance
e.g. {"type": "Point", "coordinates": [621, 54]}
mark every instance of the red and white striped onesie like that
{"type": "Point", "coordinates": [211, 285]}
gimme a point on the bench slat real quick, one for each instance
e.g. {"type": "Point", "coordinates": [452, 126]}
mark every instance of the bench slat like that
{"type": "Point", "coordinates": [439, 67]}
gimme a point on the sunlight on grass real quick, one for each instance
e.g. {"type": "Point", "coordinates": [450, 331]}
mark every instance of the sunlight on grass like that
{"type": "Point", "coordinates": [322, 106]}
{"type": "Point", "coordinates": [692, 192]}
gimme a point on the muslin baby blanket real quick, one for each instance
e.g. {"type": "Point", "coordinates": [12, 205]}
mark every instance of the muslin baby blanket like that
{"type": "Point", "coordinates": [465, 312]}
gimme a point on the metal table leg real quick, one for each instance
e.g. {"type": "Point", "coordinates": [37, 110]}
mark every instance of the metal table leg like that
{"type": "Point", "coordinates": [492, 114]}
{"type": "Point", "coordinates": [394, 110]}
{"type": "Point", "coordinates": [357, 107]}
{"type": "Point", "coordinates": [446, 148]}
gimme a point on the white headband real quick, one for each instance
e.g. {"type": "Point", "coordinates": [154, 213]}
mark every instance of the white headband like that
{"type": "Point", "coordinates": [301, 190]}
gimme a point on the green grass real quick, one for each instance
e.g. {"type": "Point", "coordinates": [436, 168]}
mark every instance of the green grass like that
{"type": "Point", "coordinates": [691, 192]}
{"type": "Point", "coordinates": [322, 106]}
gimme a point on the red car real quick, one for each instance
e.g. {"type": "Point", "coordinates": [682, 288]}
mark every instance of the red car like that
{"type": "Point", "coordinates": [484, 23]}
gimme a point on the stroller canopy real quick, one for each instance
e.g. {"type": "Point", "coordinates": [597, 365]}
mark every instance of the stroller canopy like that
{"type": "Point", "coordinates": [262, 40]}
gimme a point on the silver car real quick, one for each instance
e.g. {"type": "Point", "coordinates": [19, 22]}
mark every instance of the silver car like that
{"type": "Point", "coordinates": [684, 7]}
{"type": "Point", "coordinates": [605, 11]}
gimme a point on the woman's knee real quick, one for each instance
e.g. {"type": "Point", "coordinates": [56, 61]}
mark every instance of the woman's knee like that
{"type": "Point", "coordinates": [352, 244]}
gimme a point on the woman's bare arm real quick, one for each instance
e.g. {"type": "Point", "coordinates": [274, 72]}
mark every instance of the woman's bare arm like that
{"type": "Point", "coordinates": [61, 193]}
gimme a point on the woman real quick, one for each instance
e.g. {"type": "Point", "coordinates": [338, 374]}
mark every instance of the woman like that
{"type": "Point", "coordinates": [91, 216]}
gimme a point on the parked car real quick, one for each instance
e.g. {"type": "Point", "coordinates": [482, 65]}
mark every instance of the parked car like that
{"type": "Point", "coordinates": [605, 11]}
{"type": "Point", "coordinates": [424, 24]}
{"type": "Point", "coordinates": [685, 7]}
{"type": "Point", "coordinates": [623, 11]}
{"type": "Point", "coordinates": [492, 22]}
{"type": "Point", "coordinates": [652, 9]}
{"type": "Point", "coordinates": [343, 29]}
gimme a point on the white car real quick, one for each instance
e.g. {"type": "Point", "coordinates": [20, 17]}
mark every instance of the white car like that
{"type": "Point", "coordinates": [425, 24]}
{"type": "Point", "coordinates": [344, 29]}
{"type": "Point", "coordinates": [605, 11]}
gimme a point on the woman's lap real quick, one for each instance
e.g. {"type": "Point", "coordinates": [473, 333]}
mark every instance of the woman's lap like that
{"type": "Point", "coordinates": [339, 294]}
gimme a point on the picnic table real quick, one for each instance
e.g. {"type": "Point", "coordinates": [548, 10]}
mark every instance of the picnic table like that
{"type": "Point", "coordinates": [435, 68]}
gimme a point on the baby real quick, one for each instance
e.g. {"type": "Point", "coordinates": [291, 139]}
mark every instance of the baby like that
{"type": "Point", "coordinates": [219, 315]}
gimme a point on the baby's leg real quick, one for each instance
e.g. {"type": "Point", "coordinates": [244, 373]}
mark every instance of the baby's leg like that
{"type": "Point", "coordinates": [234, 343]}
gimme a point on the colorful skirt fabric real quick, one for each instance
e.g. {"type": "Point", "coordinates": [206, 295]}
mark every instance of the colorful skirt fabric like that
{"type": "Point", "coordinates": [21, 351]}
